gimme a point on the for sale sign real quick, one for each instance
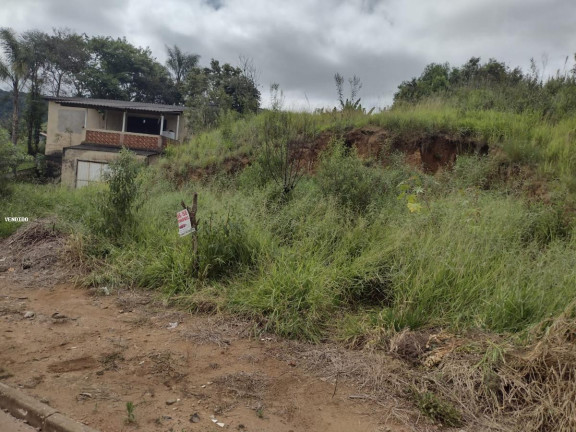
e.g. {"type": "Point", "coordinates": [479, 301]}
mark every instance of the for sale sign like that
{"type": "Point", "coordinates": [184, 224]}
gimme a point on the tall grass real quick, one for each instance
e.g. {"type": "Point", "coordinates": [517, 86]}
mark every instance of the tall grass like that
{"type": "Point", "coordinates": [343, 250]}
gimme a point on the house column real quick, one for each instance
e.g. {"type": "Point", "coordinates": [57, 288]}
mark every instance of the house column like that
{"type": "Point", "coordinates": [123, 129]}
{"type": "Point", "coordinates": [161, 124]}
{"type": "Point", "coordinates": [85, 124]}
{"type": "Point", "coordinates": [177, 126]}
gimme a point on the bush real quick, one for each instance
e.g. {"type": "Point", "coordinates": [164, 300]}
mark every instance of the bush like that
{"type": "Point", "coordinates": [223, 247]}
{"type": "Point", "coordinates": [119, 201]}
{"type": "Point", "coordinates": [10, 157]}
{"type": "Point", "coordinates": [344, 176]}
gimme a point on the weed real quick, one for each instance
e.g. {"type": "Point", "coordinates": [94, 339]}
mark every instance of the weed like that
{"type": "Point", "coordinates": [130, 416]}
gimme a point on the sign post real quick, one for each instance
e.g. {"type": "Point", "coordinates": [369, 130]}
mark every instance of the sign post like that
{"type": "Point", "coordinates": [187, 223]}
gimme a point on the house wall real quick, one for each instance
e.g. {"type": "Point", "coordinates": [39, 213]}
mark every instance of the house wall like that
{"type": "Point", "coordinates": [65, 128]}
{"type": "Point", "coordinates": [114, 120]}
{"type": "Point", "coordinates": [172, 122]}
{"type": "Point", "coordinates": [95, 119]}
{"type": "Point", "coordinates": [72, 156]}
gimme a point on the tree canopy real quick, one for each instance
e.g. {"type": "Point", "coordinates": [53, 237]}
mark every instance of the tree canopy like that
{"type": "Point", "coordinates": [65, 63]}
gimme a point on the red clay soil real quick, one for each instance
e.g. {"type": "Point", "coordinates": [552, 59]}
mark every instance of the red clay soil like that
{"type": "Point", "coordinates": [430, 153]}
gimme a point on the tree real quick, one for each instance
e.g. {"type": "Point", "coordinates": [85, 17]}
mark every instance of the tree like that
{"type": "Point", "coordinates": [119, 70]}
{"type": "Point", "coordinates": [179, 65]}
{"type": "Point", "coordinates": [35, 46]}
{"type": "Point", "coordinates": [67, 56]}
{"type": "Point", "coordinates": [213, 91]}
{"type": "Point", "coordinates": [10, 157]}
{"type": "Point", "coordinates": [14, 70]}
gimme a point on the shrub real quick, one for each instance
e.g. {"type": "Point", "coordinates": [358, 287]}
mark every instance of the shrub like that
{"type": "Point", "coordinates": [10, 157]}
{"type": "Point", "coordinates": [344, 176]}
{"type": "Point", "coordinates": [223, 247]}
{"type": "Point", "coordinates": [118, 203]}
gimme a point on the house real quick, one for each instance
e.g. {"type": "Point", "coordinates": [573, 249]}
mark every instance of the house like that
{"type": "Point", "coordinates": [84, 135]}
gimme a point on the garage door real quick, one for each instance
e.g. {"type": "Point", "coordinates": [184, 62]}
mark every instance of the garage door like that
{"type": "Point", "coordinates": [89, 172]}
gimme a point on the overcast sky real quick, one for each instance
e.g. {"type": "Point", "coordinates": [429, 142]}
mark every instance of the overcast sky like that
{"type": "Point", "coordinates": [300, 44]}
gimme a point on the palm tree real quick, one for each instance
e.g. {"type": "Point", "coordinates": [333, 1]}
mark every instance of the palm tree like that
{"type": "Point", "coordinates": [13, 70]}
{"type": "Point", "coordinates": [180, 63]}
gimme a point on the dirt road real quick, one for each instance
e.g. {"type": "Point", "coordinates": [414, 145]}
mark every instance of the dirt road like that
{"type": "Point", "coordinates": [90, 355]}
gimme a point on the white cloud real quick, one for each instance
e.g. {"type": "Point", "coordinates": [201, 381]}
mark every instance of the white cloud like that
{"type": "Point", "coordinates": [301, 44]}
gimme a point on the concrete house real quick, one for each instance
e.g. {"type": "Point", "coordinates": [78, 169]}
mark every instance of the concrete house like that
{"type": "Point", "coordinates": [84, 135]}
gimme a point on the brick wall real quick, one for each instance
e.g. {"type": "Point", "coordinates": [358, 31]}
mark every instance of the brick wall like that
{"type": "Point", "coordinates": [105, 138]}
{"type": "Point", "coordinates": [142, 142]}
{"type": "Point", "coordinates": [117, 139]}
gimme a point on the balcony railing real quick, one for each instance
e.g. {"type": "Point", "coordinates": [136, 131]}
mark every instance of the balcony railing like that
{"type": "Point", "coordinates": [129, 140]}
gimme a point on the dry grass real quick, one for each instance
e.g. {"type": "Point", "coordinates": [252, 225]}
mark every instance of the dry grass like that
{"type": "Point", "coordinates": [243, 385]}
{"type": "Point", "coordinates": [488, 382]}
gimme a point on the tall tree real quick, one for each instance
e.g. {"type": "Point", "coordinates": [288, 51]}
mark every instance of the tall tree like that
{"type": "Point", "coordinates": [67, 54]}
{"type": "Point", "coordinates": [180, 63]}
{"type": "Point", "coordinates": [119, 70]}
{"type": "Point", "coordinates": [14, 70]}
{"type": "Point", "coordinates": [213, 91]}
{"type": "Point", "coordinates": [35, 46]}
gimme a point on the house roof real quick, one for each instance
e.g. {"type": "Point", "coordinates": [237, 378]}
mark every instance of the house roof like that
{"type": "Point", "coordinates": [116, 105]}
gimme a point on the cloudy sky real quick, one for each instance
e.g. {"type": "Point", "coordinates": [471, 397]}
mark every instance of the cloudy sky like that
{"type": "Point", "coordinates": [300, 44]}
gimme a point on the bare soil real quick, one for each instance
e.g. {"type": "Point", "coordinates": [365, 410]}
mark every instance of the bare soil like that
{"type": "Point", "coordinates": [90, 352]}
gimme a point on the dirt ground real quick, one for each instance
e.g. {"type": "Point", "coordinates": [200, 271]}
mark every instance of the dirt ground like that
{"type": "Point", "coordinates": [89, 353]}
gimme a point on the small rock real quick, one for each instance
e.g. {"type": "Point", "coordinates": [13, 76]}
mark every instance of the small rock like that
{"type": "Point", "coordinates": [58, 315]}
{"type": "Point", "coordinates": [45, 401]}
{"type": "Point", "coordinates": [171, 401]}
{"type": "Point", "coordinates": [29, 314]}
{"type": "Point", "coordinates": [195, 418]}
{"type": "Point", "coordinates": [105, 291]}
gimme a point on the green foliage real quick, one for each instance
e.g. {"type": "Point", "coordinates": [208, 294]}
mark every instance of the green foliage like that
{"type": "Point", "coordinates": [344, 251]}
{"type": "Point", "coordinates": [120, 199]}
{"type": "Point", "coordinates": [214, 91]}
{"type": "Point", "coordinates": [119, 70]}
{"type": "Point", "coordinates": [438, 410]}
{"type": "Point", "coordinates": [130, 416]}
{"type": "Point", "coordinates": [412, 193]}
{"type": "Point", "coordinates": [342, 175]}
{"type": "Point", "coordinates": [224, 248]}
{"type": "Point", "coordinates": [14, 70]}
{"type": "Point", "coordinates": [10, 157]}
{"type": "Point", "coordinates": [284, 139]}
{"type": "Point", "coordinates": [493, 86]}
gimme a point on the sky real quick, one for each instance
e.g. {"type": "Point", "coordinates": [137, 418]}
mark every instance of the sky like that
{"type": "Point", "coordinates": [301, 44]}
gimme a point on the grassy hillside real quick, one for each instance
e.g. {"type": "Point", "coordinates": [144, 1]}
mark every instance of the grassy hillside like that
{"type": "Point", "coordinates": [373, 240]}
{"type": "Point", "coordinates": [490, 245]}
